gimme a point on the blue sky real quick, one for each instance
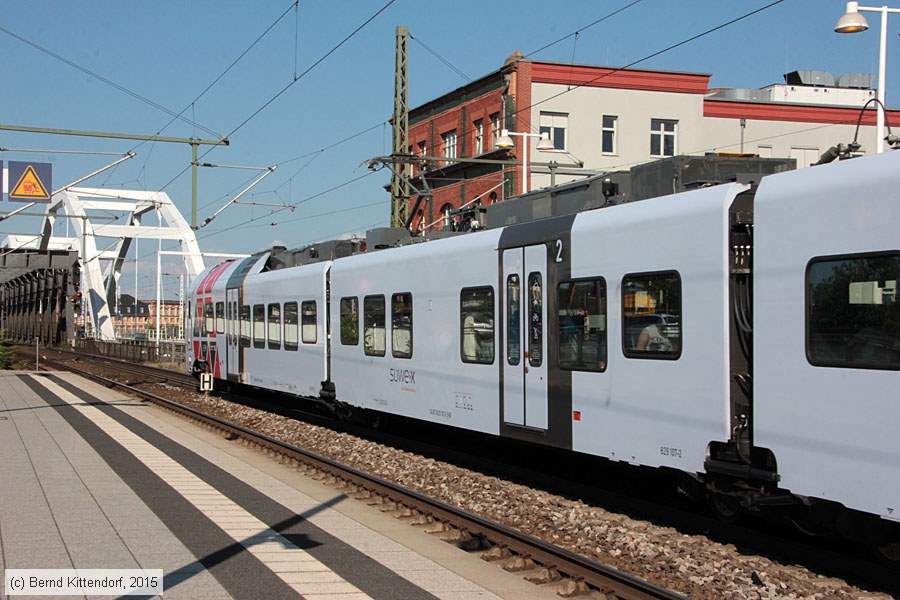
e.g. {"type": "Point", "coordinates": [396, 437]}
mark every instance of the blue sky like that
{"type": "Point", "coordinates": [169, 52]}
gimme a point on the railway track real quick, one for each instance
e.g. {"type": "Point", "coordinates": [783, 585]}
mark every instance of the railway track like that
{"type": "Point", "coordinates": [148, 374]}
{"type": "Point", "coordinates": [545, 563]}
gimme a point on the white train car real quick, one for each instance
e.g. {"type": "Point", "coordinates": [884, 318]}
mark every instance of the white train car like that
{"type": "Point", "coordinates": [285, 313]}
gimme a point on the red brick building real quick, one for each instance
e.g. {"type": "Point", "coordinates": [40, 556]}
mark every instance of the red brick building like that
{"type": "Point", "coordinates": [466, 123]}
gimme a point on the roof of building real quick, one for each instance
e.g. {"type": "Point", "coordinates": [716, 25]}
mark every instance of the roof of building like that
{"type": "Point", "coordinates": [741, 100]}
{"type": "Point", "coordinates": [567, 73]}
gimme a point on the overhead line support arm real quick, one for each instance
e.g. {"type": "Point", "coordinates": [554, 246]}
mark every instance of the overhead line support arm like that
{"type": "Point", "coordinates": [194, 142]}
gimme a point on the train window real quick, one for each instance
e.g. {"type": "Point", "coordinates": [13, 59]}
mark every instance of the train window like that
{"type": "Point", "coordinates": [220, 317]}
{"type": "Point", "coordinates": [274, 327]}
{"type": "Point", "coordinates": [350, 321]}
{"type": "Point", "coordinates": [259, 326]}
{"type": "Point", "coordinates": [245, 326]}
{"type": "Point", "coordinates": [535, 319]}
{"type": "Point", "coordinates": [582, 325]}
{"type": "Point", "coordinates": [513, 341]}
{"type": "Point", "coordinates": [198, 319]}
{"type": "Point", "coordinates": [308, 310]}
{"type": "Point", "coordinates": [651, 315]}
{"type": "Point", "coordinates": [373, 323]}
{"type": "Point", "coordinates": [290, 326]}
{"type": "Point", "coordinates": [476, 321]}
{"type": "Point", "coordinates": [853, 311]}
{"type": "Point", "coordinates": [209, 322]}
{"type": "Point", "coordinates": [401, 325]}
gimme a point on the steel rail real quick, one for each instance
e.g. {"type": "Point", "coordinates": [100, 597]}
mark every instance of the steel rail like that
{"type": "Point", "coordinates": [110, 362]}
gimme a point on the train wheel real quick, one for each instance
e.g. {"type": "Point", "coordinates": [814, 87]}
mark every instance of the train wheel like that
{"type": "Point", "coordinates": [888, 553]}
{"type": "Point", "coordinates": [726, 508]}
{"type": "Point", "coordinates": [376, 423]}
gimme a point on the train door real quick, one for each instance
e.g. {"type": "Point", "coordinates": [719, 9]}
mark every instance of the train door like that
{"type": "Point", "coordinates": [525, 338]}
{"type": "Point", "coordinates": [232, 339]}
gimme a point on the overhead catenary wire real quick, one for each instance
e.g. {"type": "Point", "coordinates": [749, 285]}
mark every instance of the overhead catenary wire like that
{"type": "Point", "coordinates": [179, 116]}
{"type": "Point", "coordinates": [234, 62]}
{"type": "Point", "coordinates": [296, 35]}
{"type": "Point", "coordinates": [333, 212]}
{"type": "Point", "coordinates": [312, 157]}
{"type": "Point", "coordinates": [653, 55]}
{"type": "Point", "coordinates": [310, 68]}
{"type": "Point", "coordinates": [289, 206]}
{"type": "Point", "coordinates": [586, 27]}
{"type": "Point", "coordinates": [330, 146]}
{"type": "Point", "coordinates": [440, 58]}
{"type": "Point", "coordinates": [109, 82]}
{"type": "Point", "coordinates": [193, 102]}
{"type": "Point", "coordinates": [572, 62]}
{"type": "Point", "coordinates": [288, 86]}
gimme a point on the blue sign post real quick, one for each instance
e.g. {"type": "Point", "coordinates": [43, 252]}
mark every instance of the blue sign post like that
{"type": "Point", "coordinates": [30, 182]}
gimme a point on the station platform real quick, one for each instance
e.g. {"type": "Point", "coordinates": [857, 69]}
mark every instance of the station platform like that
{"type": "Point", "coordinates": [92, 479]}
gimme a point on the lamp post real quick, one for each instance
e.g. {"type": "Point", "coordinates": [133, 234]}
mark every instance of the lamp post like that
{"type": "Point", "coordinates": [853, 22]}
{"type": "Point", "coordinates": [505, 141]}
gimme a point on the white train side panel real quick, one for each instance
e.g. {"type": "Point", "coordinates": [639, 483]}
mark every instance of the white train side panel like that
{"type": "Point", "coordinates": [833, 430]}
{"type": "Point", "coordinates": [298, 362]}
{"type": "Point", "coordinates": [434, 384]}
{"type": "Point", "coordinates": [641, 410]}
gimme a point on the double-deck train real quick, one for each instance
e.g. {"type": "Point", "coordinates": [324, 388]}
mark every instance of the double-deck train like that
{"type": "Point", "coordinates": [745, 336]}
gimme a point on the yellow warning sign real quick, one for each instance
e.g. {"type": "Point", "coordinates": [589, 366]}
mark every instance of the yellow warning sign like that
{"type": "Point", "coordinates": [29, 187]}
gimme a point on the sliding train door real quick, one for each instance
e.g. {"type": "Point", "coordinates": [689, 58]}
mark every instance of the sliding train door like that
{"type": "Point", "coordinates": [232, 334]}
{"type": "Point", "coordinates": [525, 336]}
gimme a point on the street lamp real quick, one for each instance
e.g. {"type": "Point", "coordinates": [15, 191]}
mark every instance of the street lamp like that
{"type": "Point", "coordinates": [853, 22]}
{"type": "Point", "coordinates": [505, 141]}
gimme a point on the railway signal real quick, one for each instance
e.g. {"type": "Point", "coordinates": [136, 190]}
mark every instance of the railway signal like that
{"type": "Point", "coordinates": [75, 294]}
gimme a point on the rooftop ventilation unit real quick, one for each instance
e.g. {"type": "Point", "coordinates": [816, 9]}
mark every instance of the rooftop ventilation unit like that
{"type": "Point", "coordinates": [745, 94]}
{"type": "Point", "coordinates": [860, 81]}
{"type": "Point", "coordinates": [811, 78]}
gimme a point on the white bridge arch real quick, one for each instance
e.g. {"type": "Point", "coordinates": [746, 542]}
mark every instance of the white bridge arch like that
{"type": "Point", "coordinates": [117, 216]}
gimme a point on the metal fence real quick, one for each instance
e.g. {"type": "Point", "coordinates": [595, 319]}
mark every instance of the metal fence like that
{"type": "Point", "coordinates": [168, 351]}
